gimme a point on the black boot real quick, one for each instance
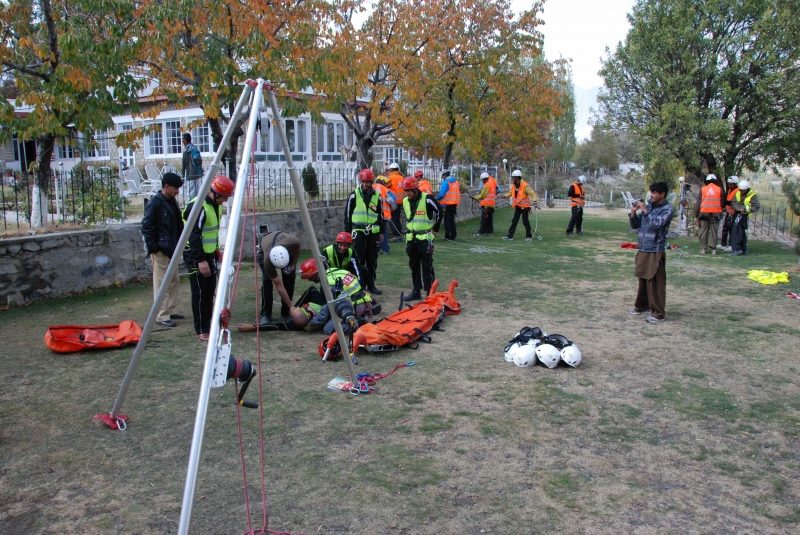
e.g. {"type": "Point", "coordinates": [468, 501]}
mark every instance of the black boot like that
{"type": "Point", "coordinates": [375, 291]}
{"type": "Point", "coordinates": [413, 296]}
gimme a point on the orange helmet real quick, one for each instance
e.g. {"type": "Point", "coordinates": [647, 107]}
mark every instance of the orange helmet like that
{"type": "Point", "coordinates": [222, 185]}
{"type": "Point", "coordinates": [344, 237]}
{"type": "Point", "coordinates": [366, 175]}
{"type": "Point", "coordinates": [308, 269]}
{"type": "Point", "coordinates": [409, 182]}
{"type": "Point", "coordinates": [418, 174]}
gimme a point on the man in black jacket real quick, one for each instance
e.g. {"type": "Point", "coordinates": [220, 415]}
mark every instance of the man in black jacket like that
{"type": "Point", "coordinates": [161, 227]}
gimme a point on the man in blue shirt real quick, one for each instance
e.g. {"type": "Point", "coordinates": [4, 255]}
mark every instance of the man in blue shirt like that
{"type": "Point", "coordinates": [653, 221]}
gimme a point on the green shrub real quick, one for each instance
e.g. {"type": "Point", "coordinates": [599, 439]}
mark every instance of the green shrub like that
{"type": "Point", "coordinates": [310, 183]}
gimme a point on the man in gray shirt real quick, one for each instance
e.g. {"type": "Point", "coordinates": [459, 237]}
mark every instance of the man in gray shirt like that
{"type": "Point", "coordinates": [653, 221]}
{"type": "Point", "coordinates": [278, 256]}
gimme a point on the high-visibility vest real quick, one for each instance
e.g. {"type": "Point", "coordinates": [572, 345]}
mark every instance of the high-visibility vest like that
{"type": "Point", "coordinates": [332, 255]}
{"type": "Point", "coordinates": [417, 224]}
{"type": "Point", "coordinates": [731, 194]}
{"type": "Point", "coordinates": [425, 187]}
{"type": "Point", "coordinates": [453, 195]}
{"type": "Point", "coordinates": [490, 198]}
{"type": "Point", "coordinates": [577, 201]}
{"type": "Point", "coordinates": [395, 179]}
{"type": "Point", "coordinates": [366, 214]}
{"type": "Point", "coordinates": [350, 284]}
{"type": "Point", "coordinates": [210, 227]}
{"type": "Point", "coordinates": [387, 209]}
{"type": "Point", "coordinates": [711, 199]}
{"type": "Point", "coordinates": [750, 195]}
{"type": "Point", "coordinates": [518, 196]}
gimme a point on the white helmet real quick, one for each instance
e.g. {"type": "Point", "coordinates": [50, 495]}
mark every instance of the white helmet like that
{"type": "Point", "coordinates": [394, 166]}
{"type": "Point", "coordinates": [744, 184]}
{"type": "Point", "coordinates": [484, 176]}
{"type": "Point", "coordinates": [511, 350]}
{"type": "Point", "coordinates": [517, 173]}
{"type": "Point", "coordinates": [710, 177]}
{"type": "Point", "coordinates": [582, 179]}
{"type": "Point", "coordinates": [525, 356]}
{"type": "Point", "coordinates": [279, 256]}
{"type": "Point", "coordinates": [571, 355]}
{"type": "Point", "coordinates": [548, 355]}
{"type": "Point", "coordinates": [733, 179]}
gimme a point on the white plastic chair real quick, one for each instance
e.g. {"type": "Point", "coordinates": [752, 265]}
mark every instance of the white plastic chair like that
{"type": "Point", "coordinates": [143, 187]}
{"type": "Point", "coordinates": [152, 172]}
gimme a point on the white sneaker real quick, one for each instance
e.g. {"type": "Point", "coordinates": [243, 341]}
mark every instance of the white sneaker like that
{"type": "Point", "coordinates": [528, 239]}
{"type": "Point", "coordinates": [507, 238]}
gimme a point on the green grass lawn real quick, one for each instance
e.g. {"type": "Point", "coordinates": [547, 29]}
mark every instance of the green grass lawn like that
{"type": "Point", "coordinates": [687, 426]}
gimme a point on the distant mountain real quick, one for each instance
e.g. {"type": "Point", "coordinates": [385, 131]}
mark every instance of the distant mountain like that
{"type": "Point", "coordinates": [585, 100]}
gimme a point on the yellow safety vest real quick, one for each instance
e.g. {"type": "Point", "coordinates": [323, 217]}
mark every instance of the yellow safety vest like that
{"type": "Point", "coordinates": [750, 195]}
{"type": "Point", "coordinates": [363, 215]}
{"type": "Point", "coordinates": [352, 288]}
{"type": "Point", "coordinates": [210, 228]}
{"type": "Point", "coordinates": [418, 224]}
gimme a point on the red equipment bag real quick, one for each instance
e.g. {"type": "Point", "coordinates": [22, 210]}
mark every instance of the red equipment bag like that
{"type": "Point", "coordinates": [72, 338]}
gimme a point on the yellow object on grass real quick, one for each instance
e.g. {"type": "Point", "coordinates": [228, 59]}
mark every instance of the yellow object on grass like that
{"type": "Point", "coordinates": [767, 277]}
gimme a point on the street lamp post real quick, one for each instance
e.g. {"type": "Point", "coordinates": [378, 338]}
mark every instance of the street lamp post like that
{"type": "Point", "coordinates": [59, 181]}
{"type": "Point", "coordinates": [505, 171]}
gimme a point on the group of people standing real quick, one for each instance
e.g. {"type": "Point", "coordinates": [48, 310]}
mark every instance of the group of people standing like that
{"type": "Point", "coordinates": [729, 209]}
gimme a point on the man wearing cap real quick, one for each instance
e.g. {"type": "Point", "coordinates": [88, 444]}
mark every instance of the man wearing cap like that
{"type": "Point", "coordinates": [708, 212]}
{"type": "Point", "coordinates": [487, 198]}
{"type": "Point", "coordinates": [577, 199]}
{"type": "Point", "coordinates": [161, 227]}
{"type": "Point", "coordinates": [449, 197]}
{"type": "Point", "coordinates": [744, 203]}
{"type": "Point", "coordinates": [395, 178]}
{"type": "Point", "coordinates": [278, 255]}
{"type": "Point", "coordinates": [731, 188]}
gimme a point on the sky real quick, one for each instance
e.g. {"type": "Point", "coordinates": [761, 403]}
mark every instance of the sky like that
{"type": "Point", "coordinates": [581, 30]}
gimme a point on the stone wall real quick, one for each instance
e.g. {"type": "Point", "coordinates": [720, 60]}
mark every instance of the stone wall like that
{"type": "Point", "coordinates": [52, 265]}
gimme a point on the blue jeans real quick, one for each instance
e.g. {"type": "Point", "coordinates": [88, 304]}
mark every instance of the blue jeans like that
{"type": "Point", "coordinates": [385, 244]}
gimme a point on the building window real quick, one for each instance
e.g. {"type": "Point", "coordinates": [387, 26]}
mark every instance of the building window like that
{"type": "Point", "coordinates": [332, 138]}
{"type": "Point", "coordinates": [392, 155]}
{"type": "Point", "coordinates": [65, 150]}
{"type": "Point", "coordinates": [201, 137]}
{"type": "Point", "coordinates": [296, 137]}
{"type": "Point", "coordinates": [15, 145]}
{"type": "Point", "coordinates": [155, 140]}
{"type": "Point", "coordinates": [173, 135]}
{"type": "Point", "coordinates": [97, 146]}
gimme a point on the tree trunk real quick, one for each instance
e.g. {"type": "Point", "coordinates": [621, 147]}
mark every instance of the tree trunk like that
{"type": "Point", "coordinates": [41, 185]}
{"type": "Point", "coordinates": [365, 156]}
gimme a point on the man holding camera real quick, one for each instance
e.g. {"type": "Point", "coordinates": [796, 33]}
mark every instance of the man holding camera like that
{"type": "Point", "coordinates": [652, 220]}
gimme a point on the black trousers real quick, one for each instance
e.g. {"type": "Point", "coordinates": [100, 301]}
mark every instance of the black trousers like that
{"type": "Point", "coordinates": [524, 212]}
{"type": "Point", "coordinates": [420, 260]}
{"type": "Point", "coordinates": [396, 225]}
{"type": "Point", "coordinates": [487, 220]}
{"type": "Point", "coordinates": [739, 233]}
{"type": "Point", "coordinates": [203, 290]}
{"type": "Point", "coordinates": [288, 280]}
{"type": "Point", "coordinates": [727, 223]}
{"type": "Point", "coordinates": [450, 221]}
{"type": "Point", "coordinates": [365, 250]}
{"type": "Point", "coordinates": [576, 221]}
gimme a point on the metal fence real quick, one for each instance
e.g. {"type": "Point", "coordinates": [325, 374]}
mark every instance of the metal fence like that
{"type": "Point", "coordinates": [79, 197]}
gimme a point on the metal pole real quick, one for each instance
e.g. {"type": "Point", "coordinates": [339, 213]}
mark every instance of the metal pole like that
{"type": "Point", "coordinates": [173, 263]}
{"type": "Point", "coordinates": [306, 218]}
{"type": "Point", "coordinates": [221, 301]}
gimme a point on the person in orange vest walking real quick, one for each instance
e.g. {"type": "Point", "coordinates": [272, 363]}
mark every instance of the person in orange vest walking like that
{"type": "Point", "coordinates": [487, 198]}
{"type": "Point", "coordinates": [423, 185]}
{"type": "Point", "coordinates": [708, 212]}
{"type": "Point", "coordinates": [395, 178]}
{"type": "Point", "coordinates": [578, 200]}
{"type": "Point", "coordinates": [388, 203]}
{"type": "Point", "coordinates": [523, 199]}
{"type": "Point", "coordinates": [731, 187]}
{"type": "Point", "coordinates": [449, 197]}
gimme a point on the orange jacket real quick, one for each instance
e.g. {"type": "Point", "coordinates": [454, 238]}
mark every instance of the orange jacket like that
{"type": "Point", "coordinates": [387, 209]}
{"type": "Point", "coordinates": [730, 197]}
{"type": "Point", "coordinates": [489, 200]}
{"type": "Point", "coordinates": [520, 197]}
{"type": "Point", "coordinates": [395, 179]}
{"type": "Point", "coordinates": [577, 200]}
{"type": "Point", "coordinates": [710, 199]}
{"type": "Point", "coordinates": [425, 186]}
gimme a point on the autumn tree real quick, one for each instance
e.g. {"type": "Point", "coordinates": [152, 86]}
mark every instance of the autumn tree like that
{"type": "Point", "coordinates": [715, 84]}
{"type": "Point", "coordinates": [204, 50]}
{"type": "Point", "coordinates": [69, 64]}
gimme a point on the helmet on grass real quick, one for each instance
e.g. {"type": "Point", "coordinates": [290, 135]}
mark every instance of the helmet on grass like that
{"type": "Point", "coordinates": [525, 356]}
{"type": "Point", "coordinates": [548, 355]}
{"type": "Point", "coordinates": [571, 355]}
{"type": "Point", "coordinates": [222, 185]}
{"type": "Point", "coordinates": [557, 340]}
{"type": "Point", "coordinates": [510, 351]}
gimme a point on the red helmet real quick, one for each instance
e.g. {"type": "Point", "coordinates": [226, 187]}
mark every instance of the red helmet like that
{"type": "Point", "coordinates": [366, 175]}
{"type": "Point", "coordinates": [308, 269]}
{"type": "Point", "coordinates": [418, 174]}
{"type": "Point", "coordinates": [344, 237]}
{"type": "Point", "coordinates": [222, 185]}
{"type": "Point", "coordinates": [409, 182]}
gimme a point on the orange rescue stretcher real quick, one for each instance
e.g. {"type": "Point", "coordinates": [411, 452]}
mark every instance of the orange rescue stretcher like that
{"type": "Point", "coordinates": [72, 338]}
